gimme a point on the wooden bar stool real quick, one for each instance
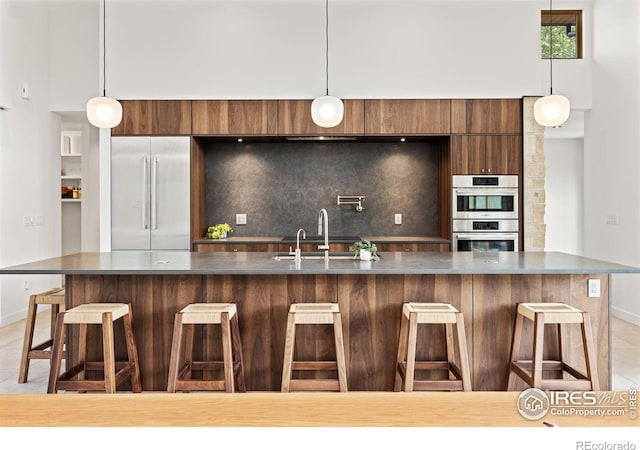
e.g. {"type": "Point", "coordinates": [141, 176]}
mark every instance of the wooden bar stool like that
{"type": "Point", "coordinates": [226, 316]}
{"type": "Point", "coordinates": [316, 314]}
{"type": "Point", "coordinates": [531, 371]}
{"type": "Point", "coordinates": [115, 372]}
{"type": "Point", "coordinates": [414, 314]}
{"type": "Point", "coordinates": [54, 297]}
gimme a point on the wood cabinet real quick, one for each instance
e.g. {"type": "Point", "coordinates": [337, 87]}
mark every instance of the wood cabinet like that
{"type": "Point", "coordinates": [235, 117]}
{"type": "Point", "coordinates": [486, 116]}
{"type": "Point", "coordinates": [232, 247]}
{"type": "Point", "coordinates": [411, 247]}
{"type": "Point", "coordinates": [407, 117]}
{"type": "Point", "coordinates": [294, 118]}
{"type": "Point", "coordinates": [154, 118]}
{"type": "Point", "coordinates": [488, 154]}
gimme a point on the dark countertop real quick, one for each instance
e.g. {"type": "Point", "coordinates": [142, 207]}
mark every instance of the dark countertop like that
{"type": "Point", "coordinates": [280, 239]}
{"type": "Point", "coordinates": [262, 263]}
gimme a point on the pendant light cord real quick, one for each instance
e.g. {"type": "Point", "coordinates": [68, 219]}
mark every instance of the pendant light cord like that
{"type": "Point", "coordinates": [551, 48]}
{"type": "Point", "coordinates": [104, 48]}
{"type": "Point", "coordinates": [326, 10]}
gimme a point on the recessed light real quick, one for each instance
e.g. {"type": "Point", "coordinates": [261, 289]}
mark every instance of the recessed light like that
{"type": "Point", "coordinates": [239, 139]}
{"type": "Point", "coordinates": [402, 139]}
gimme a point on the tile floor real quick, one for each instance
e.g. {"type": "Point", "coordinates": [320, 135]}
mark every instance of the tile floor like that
{"type": "Point", "coordinates": [625, 342]}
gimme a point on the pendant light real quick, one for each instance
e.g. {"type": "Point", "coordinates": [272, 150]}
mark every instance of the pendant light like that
{"type": "Point", "coordinates": [327, 111]}
{"type": "Point", "coordinates": [551, 110]}
{"type": "Point", "coordinates": [104, 112]}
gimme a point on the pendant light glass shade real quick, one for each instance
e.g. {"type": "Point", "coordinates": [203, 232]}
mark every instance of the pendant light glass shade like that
{"type": "Point", "coordinates": [327, 111]}
{"type": "Point", "coordinates": [551, 110]}
{"type": "Point", "coordinates": [104, 112]}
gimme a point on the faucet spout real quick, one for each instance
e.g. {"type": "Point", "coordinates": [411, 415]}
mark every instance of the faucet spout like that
{"type": "Point", "coordinates": [323, 229]}
{"type": "Point", "coordinates": [298, 256]}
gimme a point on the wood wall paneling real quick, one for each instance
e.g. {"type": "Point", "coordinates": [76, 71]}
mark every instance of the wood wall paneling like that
{"type": "Point", "coordinates": [233, 247]}
{"type": "Point", "coordinates": [235, 117]}
{"type": "Point", "coordinates": [198, 191]}
{"type": "Point", "coordinates": [294, 118]}
{"type": "Point", "coordinates": [137, 118]}
{"type": "Point", "coordinates": [171, 118]}
{"type": "Point", "coordinates": [486, 116]}
{"type": "Point", "coordinates": [407, 117]}
{"type": "Point", "coordinates": [154, 117]}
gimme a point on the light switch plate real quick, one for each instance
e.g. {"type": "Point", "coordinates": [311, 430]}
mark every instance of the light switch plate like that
{"type": "Point", "coordinates": [241, 219]}
{"type": "Point", "coordinates": [594, 288]}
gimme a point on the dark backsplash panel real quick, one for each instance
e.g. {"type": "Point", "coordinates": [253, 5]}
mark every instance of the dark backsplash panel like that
{"type": "Point", "coordinates": [282, 187]}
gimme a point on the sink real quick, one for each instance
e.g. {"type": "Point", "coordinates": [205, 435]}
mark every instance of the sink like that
{"type": "Point", "coordinates": [314, 239]}
{"type": "Point", "coordinates": [315, 255]}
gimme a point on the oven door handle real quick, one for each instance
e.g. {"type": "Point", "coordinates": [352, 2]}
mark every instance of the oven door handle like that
{"type": "Point", "coordinates": [486, 236]}
{"type": "Point", "coordinates": [485, 191]}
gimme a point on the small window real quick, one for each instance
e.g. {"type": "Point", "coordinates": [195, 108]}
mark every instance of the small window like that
{"type": "Point", "coordinates": [563, 30]}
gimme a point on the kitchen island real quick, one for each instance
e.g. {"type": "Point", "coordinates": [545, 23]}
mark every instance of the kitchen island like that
{"type": "Point", "coordinates": [484, 286]}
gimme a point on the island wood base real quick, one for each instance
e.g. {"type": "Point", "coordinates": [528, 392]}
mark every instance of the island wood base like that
{"type": "Point", "coordinates": [371, 306]}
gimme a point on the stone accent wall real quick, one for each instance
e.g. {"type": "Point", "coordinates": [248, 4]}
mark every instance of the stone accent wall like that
{"type": "Point", "coordinates": [534, 172]}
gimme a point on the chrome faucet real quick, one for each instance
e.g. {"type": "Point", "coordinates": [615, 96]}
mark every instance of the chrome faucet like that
{"type": "Point", "coordinates": [298, 256]}
{"type": "Point", "coordinates": [325, 232]}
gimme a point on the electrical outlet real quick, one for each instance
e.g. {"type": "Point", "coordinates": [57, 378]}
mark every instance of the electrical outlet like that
{"type": "Point", "coordinates": [398, 219]}
{"type": "Point", "coordinates": [612, 219]}
{"type": "Point", "coordinates": [241, 219]}
{"type": "Point", "coordinates": [594, 288]}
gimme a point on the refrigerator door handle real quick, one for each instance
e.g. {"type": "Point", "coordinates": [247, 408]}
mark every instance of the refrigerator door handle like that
{"type": "Point", "coordinates": [154, 194]}
{"type": "Point", "coordinates": [145, 194]}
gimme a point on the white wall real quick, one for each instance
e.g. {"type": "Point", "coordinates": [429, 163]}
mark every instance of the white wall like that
{"type": "Point", "coordinates": [29, 154]}
{"type": "Point", "coordinates": [612, 148]}
{"type": "Point", "coordinates": [276, 49]}
{"type": "Point", "coordinates": [564, 195]}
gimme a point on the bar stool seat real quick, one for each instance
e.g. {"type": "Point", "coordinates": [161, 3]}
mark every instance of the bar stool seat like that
{"type": "Point", "coordinates": [54, 297]}
{"type": "Point", "coordinates": [180, 377]}
{"type": "Point", "coordinates": [531, 371]}
{"type": "Point", "coordinates": [314, 314]}
{"type": "Point", "coordinates": [114, 372]}
{"type": "Point", "coordinates": [414, 314]}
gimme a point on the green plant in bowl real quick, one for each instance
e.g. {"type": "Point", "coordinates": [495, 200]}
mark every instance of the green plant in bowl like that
{"type": "Point", "coordinates": [365, 245]}
{"type": "Point", "coordinates": [219, 231]}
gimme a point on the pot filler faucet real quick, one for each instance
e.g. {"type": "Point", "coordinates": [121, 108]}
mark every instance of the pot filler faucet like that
{"type": "Point", "coordinates": [325, 232]}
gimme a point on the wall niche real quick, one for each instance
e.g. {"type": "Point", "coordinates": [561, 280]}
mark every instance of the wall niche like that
{"type": "Point", "coordinates": [281, 186]}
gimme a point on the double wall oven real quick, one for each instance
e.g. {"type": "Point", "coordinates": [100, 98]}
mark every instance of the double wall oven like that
{"type": "Point", "coordinates": [485, 213]}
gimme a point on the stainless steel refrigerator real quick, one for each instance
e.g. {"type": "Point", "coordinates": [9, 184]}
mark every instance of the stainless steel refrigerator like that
{"type": "Point", "coordinates": [150, 193]}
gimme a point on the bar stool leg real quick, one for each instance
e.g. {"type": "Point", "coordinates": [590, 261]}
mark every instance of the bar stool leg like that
{"type": "Point", "coordinates": [108, 354]}
{"type": "Point", "coordinates": [589, 352]}
{"type": "Point", "coordinates": [402, 352]}
{"type": "Point", "coordinates": [411, 353]}
{"type": "Point", "coordinates": [174, 361]}
{"type": "Point", "coordinates": [28, 338]}
{"type": "Point", "coordinates": [538, 352]}
{"type": "Point", "coordinates": [516, 338]}
{"type": "Point", "coordinates": [56, 354]}
{"type": "Point", "coordinates": [288, 352]}
{"type": "Point", "coordinates": [237, 349]}
{"type": "Point", "coordinates": [340, 359]}
{"type": "Point", "coordinates": [227, 355]}
{"type": "Point", "coordinates": [448, 335]}
{"type": "Point", "coordinates": [463, 353]}
{"type": "Point", "coordinates": [132, 352]}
